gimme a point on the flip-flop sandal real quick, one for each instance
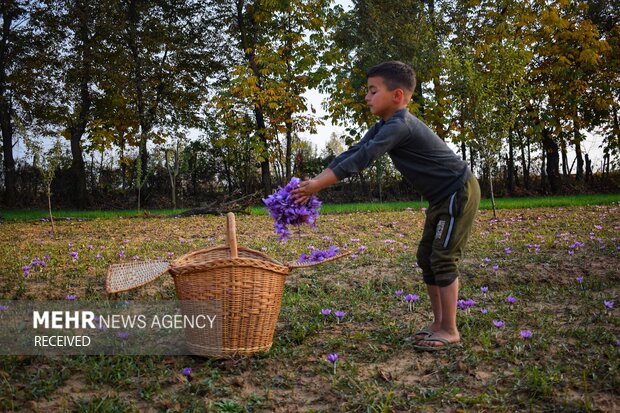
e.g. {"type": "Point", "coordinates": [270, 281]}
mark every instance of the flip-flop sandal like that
{"type": "Point", "coordinates": [426, 333]}
{"type": "Point", "coordinates": [445, 344]}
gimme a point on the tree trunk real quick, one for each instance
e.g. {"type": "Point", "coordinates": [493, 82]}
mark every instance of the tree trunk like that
{"type": "Point", "coordinates": [77, 128]}
{"type": "Point", "coordinates": [510, 165]}
{"type": "Point", "coordinates": [492, 194]}
{"type": "Point", "coordinates": [544, 180]}
{"type": "Point", "coordinates": [579, 156]}
{"type": "Point", "coordinates": [565, 170]}
{"type": "Point", "coordinates": [524, 162]}
{"type": "Point", "coordinates": [289, 146]}
{"type": "Point", "coordinates": [551, 150]}
{"type": "Point", "coordinates": [6, 125]}
{"type": "Point", "coordinates": [588, 168]}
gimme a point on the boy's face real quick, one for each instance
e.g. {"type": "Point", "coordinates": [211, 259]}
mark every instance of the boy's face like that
{"type": "Point", "coordinates": [381, 101]}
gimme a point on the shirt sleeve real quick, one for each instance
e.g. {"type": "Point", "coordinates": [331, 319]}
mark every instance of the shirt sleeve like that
{"type": "Point", "coordinates": [377, 141]}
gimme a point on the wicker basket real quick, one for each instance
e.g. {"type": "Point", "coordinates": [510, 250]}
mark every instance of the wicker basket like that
{"type": "Point", "coordinates": [242, 286]}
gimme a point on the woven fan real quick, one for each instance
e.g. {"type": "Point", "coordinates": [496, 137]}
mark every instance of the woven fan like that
{"type": "Point", "coordinates": [125, 277]}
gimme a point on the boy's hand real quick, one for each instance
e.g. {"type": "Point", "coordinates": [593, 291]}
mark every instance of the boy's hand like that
{"type": "Point", "coordinates": [305, 190]}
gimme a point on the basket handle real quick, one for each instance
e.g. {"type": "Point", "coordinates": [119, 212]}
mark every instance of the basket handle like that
{"type": "Point", "coordinates": [231, 233]}
{"type": "Point", "coordinates": [312, 264]}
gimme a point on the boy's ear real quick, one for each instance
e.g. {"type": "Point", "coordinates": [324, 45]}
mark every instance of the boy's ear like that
{"type": "Point", "coordinates": [399, 95]}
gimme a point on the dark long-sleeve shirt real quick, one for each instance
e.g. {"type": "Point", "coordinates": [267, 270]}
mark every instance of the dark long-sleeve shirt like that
{"type": "Point", "coordinates": [433, 169]}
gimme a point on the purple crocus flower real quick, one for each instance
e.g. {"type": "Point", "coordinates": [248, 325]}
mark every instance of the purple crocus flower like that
{"type": "Point", "coordinates": [399, 292]}
{"type": "Point", "coordinates": [411, 297]}
{"type": "Point", "coordinates": [608, 304]}
{"type": "Point", "coordinates": [3, 307]}
{"type": "Point", "coordinates": [339, 314]}
{"type": "Point", "coordinates": [74, 255]}
{"type": "Point", "coordinates": [71, 297]}
{"type": "Point", "coordinates": [123, 335]}
{"type": "Point", "coordinates": [525, 334]}
{"type": "Point", "coordinates": [333, 358]}
{"type": "Point", "coordinates": [326, 311]}
{"type": "Point", "coordinates": [511, 300]}
{"type": "Point", "coordinates": [187, 371]}
{"type": "Point", "coordinates": [286, 211]}
{"type": "Point", "coordinates": [484, 310]}
{"type": "Point", "coordinates": [498, 323]}
{"type": "Point", "coordinates": [579, 279]}
{"type": "Point", "coordinates": [484, 289]}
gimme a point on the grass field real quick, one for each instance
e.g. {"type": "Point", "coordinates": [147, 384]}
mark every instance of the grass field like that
{"type": "Point", "coordinates": [559, 265]}
{"type": "Point", "coordinates": [501, 203]}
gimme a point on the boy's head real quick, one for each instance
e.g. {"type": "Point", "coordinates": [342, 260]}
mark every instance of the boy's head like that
{"type": "Point", "coordinates": [396, 75]}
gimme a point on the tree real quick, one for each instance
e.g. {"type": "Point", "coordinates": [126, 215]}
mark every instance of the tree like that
{"type": "Point", "coordinates": [275, 62]}
{"type": "Point", "coordinates": [165, 52]}
{"type": "Point", "coordinates": [568, 55]}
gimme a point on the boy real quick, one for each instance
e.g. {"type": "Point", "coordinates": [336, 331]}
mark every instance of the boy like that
{"type": "Point", "coordinates": [435, 171]}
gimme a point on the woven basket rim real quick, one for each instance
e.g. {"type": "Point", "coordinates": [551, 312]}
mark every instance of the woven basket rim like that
{"type": "Point", "coordinates": [178, 267]}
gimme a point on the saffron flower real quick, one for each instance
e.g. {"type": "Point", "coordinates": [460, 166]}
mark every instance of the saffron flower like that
{"type": "Point", "coordinates": [333, 358]}
{"type": "Point", "coordinates": [511, 300]}
{"type": "Point", "coordinates": [326, 311]}
{"type": "Point", "coordinates": [411, 299]}
{"type": "Point", "coordinates": [484, 290]}
{"type": "Point", "coordinates": [286, 211]}
{"type": "Point", "coordinates": [187, 371]}
{"type": "Point", "coordinates": [498, 323]}
{"type": "Point", "coordinates": [399, 292]}
{"type": "Point", "coordinates": [525, 334]}
{"type": "Point", "coordinates": [74, 255]}
{"type": "Point", "coordinates": [123, 335]}
{"type": "Point", "coordinates": [318, 255]}
{"type": "Point", "coordinates": [608, 304]}
{"type": "Point", "coordinates": [484, 310]}
{"type": "Point", "coordinates": [579, 279]}
{"type": "Point", "coordinates": [339, 314]}
{"type": "Point", "coordinates": [71, 297]}
{"type": "Point", "coordinates": [3, 307]}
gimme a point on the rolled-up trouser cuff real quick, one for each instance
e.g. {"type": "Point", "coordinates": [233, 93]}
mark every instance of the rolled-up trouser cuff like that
{"type": "Point", "coordinates": [429, 278]}
{"type": "Point", "coordinates": [441, 280]}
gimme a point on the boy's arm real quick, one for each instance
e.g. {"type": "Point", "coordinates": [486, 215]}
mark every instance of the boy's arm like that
{"type": "Point", "coordinates": [314, 185]}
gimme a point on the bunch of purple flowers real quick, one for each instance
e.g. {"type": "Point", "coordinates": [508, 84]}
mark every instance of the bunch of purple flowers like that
{"type": "Point", "coordinates": [318, 255]}
{"type": "Point", "coordinates": [286, 211]}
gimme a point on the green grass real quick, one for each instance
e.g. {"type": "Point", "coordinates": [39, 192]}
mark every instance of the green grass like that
{"type": "Point", "coordinates": [500, 203]}
{"type": "Point", "coordinates": [485, 204]}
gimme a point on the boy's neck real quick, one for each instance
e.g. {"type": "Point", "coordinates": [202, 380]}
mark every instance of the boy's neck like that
{"type": "Point", "coordinates": [389, 115]}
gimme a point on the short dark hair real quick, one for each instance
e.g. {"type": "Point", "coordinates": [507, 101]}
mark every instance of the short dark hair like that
{"type": "Point", "coordinates": [395, 74]}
